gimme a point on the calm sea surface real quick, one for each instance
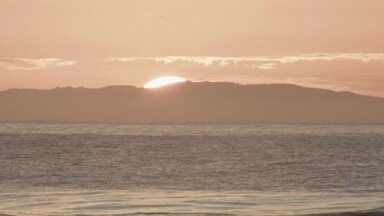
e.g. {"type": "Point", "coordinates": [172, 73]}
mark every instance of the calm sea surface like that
{"type": "Point", "coordinates": [95, 169]}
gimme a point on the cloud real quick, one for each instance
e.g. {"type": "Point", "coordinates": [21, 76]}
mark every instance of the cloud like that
{"type": "Point", "coordinates": [259, 62]}
{"type": "Point", "coordinates": [203, 60]}
{"type": "Point", "coordinates": [264, 66]}
{"type": "Point", "coordinates": [33, 64]}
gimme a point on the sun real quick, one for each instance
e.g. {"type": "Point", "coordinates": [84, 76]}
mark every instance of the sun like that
{"type": "Point", "coordinates": [163, 81]}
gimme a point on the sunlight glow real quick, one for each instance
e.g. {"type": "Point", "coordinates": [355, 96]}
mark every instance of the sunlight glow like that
{"type": "Point", "coordinates": [164, 81]}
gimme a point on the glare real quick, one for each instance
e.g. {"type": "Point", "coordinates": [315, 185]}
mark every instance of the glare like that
{"type": "Point", "coordinates": [164, 81]}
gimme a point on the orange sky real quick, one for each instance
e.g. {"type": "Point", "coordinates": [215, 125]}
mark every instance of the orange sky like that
{"type": "Point", "coordinates": [92, 43]}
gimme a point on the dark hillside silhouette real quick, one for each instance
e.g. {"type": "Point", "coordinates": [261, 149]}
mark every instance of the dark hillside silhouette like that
{"type": "Point", "coordinates": [191, 103]}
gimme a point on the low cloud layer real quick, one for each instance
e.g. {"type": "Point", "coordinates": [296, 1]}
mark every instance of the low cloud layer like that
{"type": "Point", "coordinates": [260, 62]}
{"type": "Point", "coordinates": [33, 64]}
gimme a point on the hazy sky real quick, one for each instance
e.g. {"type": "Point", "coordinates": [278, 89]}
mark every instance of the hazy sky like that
{"type": "Point", "coordinates": [335, 44]}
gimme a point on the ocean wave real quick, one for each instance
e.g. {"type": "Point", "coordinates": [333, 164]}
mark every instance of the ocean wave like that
{"type": "Point", "coordinates": [165, 202]}
{"type": "Point", "coordinates": [372, 212]}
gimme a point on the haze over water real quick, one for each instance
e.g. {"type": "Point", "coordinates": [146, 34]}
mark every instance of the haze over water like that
{"type": "Point", "coordinates": [72, 169]}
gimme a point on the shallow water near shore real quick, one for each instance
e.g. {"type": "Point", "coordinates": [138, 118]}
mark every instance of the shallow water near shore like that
{"type": "Point", "coordinates": [153, 202]}
{"type": "Point", "coordinates": [85, 169]}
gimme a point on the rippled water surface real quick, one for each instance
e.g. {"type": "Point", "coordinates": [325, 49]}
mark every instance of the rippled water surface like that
{"type": "Point", "coordinates": [72, 169]}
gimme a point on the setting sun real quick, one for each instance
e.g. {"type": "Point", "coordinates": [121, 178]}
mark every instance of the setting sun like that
{"type": "Point", "coordinates": [164, 81]}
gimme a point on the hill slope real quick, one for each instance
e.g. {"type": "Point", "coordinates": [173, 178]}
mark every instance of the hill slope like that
{"type": "Point", "coordinates": [190, 102]}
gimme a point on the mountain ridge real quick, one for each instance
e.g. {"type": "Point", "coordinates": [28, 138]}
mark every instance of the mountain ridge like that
{"type": "Point", "coordinates": [190, 102]}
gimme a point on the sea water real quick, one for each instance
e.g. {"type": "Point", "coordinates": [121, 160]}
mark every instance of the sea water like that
{"type": "Point", "coordinates": [260, 169]}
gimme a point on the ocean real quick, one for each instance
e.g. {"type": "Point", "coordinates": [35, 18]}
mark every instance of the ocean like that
{"type": "Point", "coordinates": [256, 169]}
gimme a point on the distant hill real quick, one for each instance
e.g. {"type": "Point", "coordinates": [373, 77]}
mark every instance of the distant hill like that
{"type": "Point", "coordinates": [190, 102]}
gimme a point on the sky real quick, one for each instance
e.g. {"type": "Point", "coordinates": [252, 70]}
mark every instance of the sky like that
{"type": "Point", "coordinates": [332, 44]}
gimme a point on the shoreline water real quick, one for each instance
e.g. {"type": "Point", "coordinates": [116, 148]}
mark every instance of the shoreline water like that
{"type": "Point", "coordinates": [180, 202]}
{"type": "Point", "coordinates": [191, 169]}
